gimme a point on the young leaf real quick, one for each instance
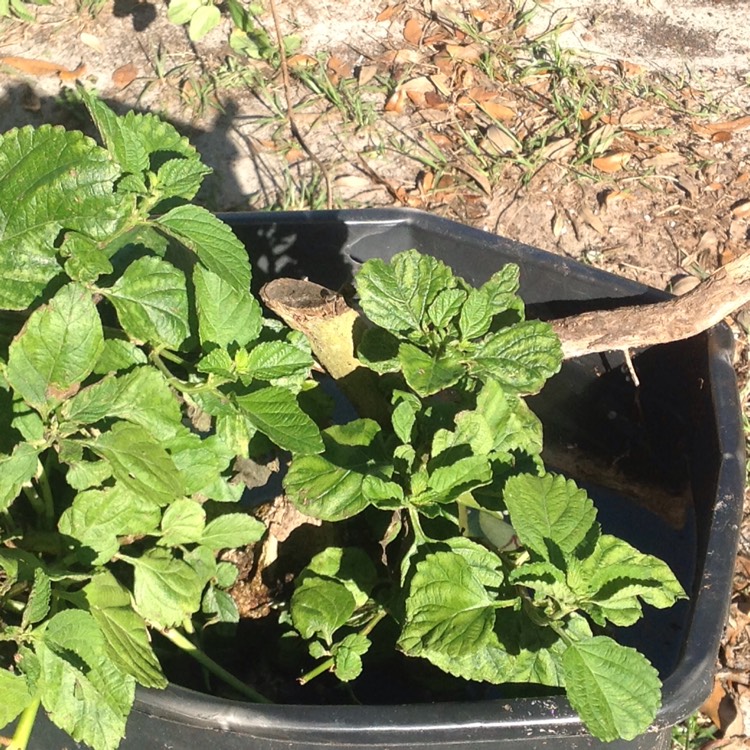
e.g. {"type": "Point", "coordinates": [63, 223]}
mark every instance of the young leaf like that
{"type": "Point", "coordinates": [205, 18]}
{"type": "Point", "coordinates": [428, 374]}
{"type": "Point", "coordinates": [351, 566]}
{"type": "Point", "coordinates": [396, 295]}
{"type": "Point", "coordinates": [476, 315]}
{"type": "Point", "coordinates": [216, 246]}
{"type": "Point", "coordinates": [180, 178]}
{"type": "Point", "coordinates": [548, 508]}
{"type": "Point", "coordinates": [139, 462]}
{"type": "Point", "coordinates": [221, 604]}
{"type": "Point", "coordinates": [232, 530]}
{"type": "Point", "coordinates": [226, 314]}
{"type": "Point", "coordinates": [64, 181]}
{"type": "Point", "coordinates": [347, 656]}
{"type": "Point", "coordinates": [118, 355]}
{"type": "Point", "coordinates": [521, 357]}
{"type": "Point", "coordinates": [126, 638]}
{"type": "Point", "coordinates": [276, 413]}
{"type": "Point", "coordinates": [183, 522]}
{"type": "Point", "coordinates": [271, 360]}
{"type": "Point", "coordinates": [320, 606]}
{"type": "Point", "coordinates": [16, 696]}
{"type": "Point", "coordinates": [151, 302]}
{"type": "Point", "coordinates": [614, 688]}
{"type": "Point", "coordinates": [166, 590]}
{"type": "Point", "coordinates": [200, 461]}
{"type": "Point", "coordinates": [86, 260]}
{"type": "Point", "coordinates": [16, 471]}
{"type": "Point", "coordinates": [501, 290]}
{"type": "Point", "coordinates": [57, 348]}
{"type": "Point", "coordinates": [446, 306]}
{"type": "Point", "coordinates": [448, 609]}
{"type": "Point", "coordinates": [37, 606]}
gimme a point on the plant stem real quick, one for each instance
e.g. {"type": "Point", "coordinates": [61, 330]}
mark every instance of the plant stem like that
{"type": "Point", "coordinates": [202, 658]}
{"type": "Point", "coordinates": [25, 725]}
{"type": "Point", "coordinates": [326, 665]}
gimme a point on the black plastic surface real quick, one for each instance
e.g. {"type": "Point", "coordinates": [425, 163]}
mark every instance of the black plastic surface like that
{"type": "Point", "coordinates": [694, 445]}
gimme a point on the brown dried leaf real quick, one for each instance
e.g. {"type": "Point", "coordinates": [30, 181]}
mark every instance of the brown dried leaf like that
{"type": "Point", "coordinates": [477, 175]}
{"type": "Point", "coordinates": [470, 53]}
{"type": "Point", "coordinates": [420, 84]}
{"type": "Point", "coordinates": [396, 101]}
{"type": "Point", "coordinates": [664, 159]}
{"type": "Point", "coordinates": [729, 126]}
{"type": "Point", "coordinates": [366, 74]}
{"type": "Point", "coordinates": [302, 61]}
{"type": "Point", "coordinates": [498, 110]}
{"type": "Point", "coordinates": [558, 224]}
{"type": "Point", "coordinates": [722, 136]}
{"type": "Point", "coordinates": [498, 140]}
{"type": "Point", "coordinates": [711, 705]}
{"type": "Point", "coordinates": [92, 41]}
{"type": "Point", "coordinates": [433, 100]}
{"type": "Point", "coordinates": [636, 115]}
{"type": "Point", "coordinates": [629, 69]}
{"type": "Point", "coordinates": [413, 30]}
{"type": "Point", "coordinates": [613, 162]}
{"type": "Point", "coordinates": [124, 75]}
{"type": "Point", "coordinates": [36, 67]}
{"type": "Point", "coordinates": [593, 220]}
{"type": "Point", "coordinates": [389, 12]}
{"type": "Point", "coordinates": [353, 181]}
{"type": "Point", "coordinates": [741, 210]}
{"type": "Point", "coordinates": [339, 67]}
{"type": "Point", "coordinates": [558, 149]}
{"type": "Point", "coordinates": [401, 56]}
{"type": "Point", "coordinates": [293, 155]}
{"type": "Point", "coordinates": [442, 83]}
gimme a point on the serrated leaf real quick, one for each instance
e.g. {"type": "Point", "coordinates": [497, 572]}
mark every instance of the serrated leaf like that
{"type": "Point", "coordinates": [200, 461]}
{"type": "Point", "coordinates": [83, 475]}
{"type": "Point", "coordinates": [501, 290]}
{"type": "Point", "coordinates": [446, 306]}
{"type": "Point", "coordinates": [226, 574]}
{"type": "Point", "coordinates": [37, 606]}
{"type": "Point", "coordinates": [50, 180]}
{"type": "Point", "coordinates": [428, 374]}
{"type": "Point", "coordinates": [141, 396]}
{"type": "Point", "coordinates": [166, 590]}
{"type": "Point", "coordinates": [16, 471]}
{"type": "Point", "coordinates": [151, 302]}
{"type": "Point", "coordinates": [232, 530]}
{"type": "Point", "coordinates": [448, 609]}
{"type": "Point", "coordinates": [221, 604]}
{"type": "Point", "coordinates": [329, 487]}
{"type": "Point", "coordinates": [276, 413]}
{"type": "Point", "coordinates": [460, 476]}
{"type": "Point", "coordinates": [118, 354]}
{"type": "Point", "coordinates": [548, 508]}
{"type": "Point", "coordinates": [614, 688]}
{"type": "Point", "coordinates": [226, 314]}
{"type": "Point", "coordinates": [183, 522]}
{"type": "Point", "coordinates": [126, 638]}
{"type": "Point", "coordinates": [347, 656]}
{"type": "Point", "coordinates": [160, 138]}
{"type": "Point", "coordinates": [205, 18]}
{"type": "Point", "coordinates": [139, 462]}
{"type": "Point", "coordinates": [476, 315]}
{"type": "Point", "coordinates": [91, 706]}
{"type": "Point", "coordinates": [521, 357]}
{"type": "Point", "coordinates": [270, 360]}
{"type": "Point", "coordinates": [403, 418]}
{"type": "Point", "coordinates": [16, 696]}
{"type": "Point", "coordinates": [86, 260]}
{"type": "Point", "coordinates": [348, 565]}
{"type": "Point", "coordinates": [396, 295]}
{"type": "Point", "coordinates": [378, 350]}
{"type": "Point", "coordinates": [181, 178]}
{"type": "Point", "coordinates": [216, 246]}
{"type": "Point", "coordinates": [56, 349]}
{"type": "Point", "coordinates": [96, 518]}
{"type": "Point", "coordinates": [320, 606]}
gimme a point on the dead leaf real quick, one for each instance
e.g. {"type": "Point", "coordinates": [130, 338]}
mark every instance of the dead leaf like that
{"type": "Point", "coordinates": [470, 53]}
{"type": "Point", "coordinates": [425, 181]}
{"type": "Point", "coordinates": [389, 12]}
{"type": "Point", "coordinates": [302, 61]}
{"type": "Point", "coordinates": [339, 67]}
{"type": "Point", "coordinates": [613, 162]}
{"type": "Point", "coordinates": [477, 175]}
{"type": "Point", "coordinates": [498, 140]}
{"type": "Point", "coordinates": [72, 75]}
{"type": "Point", "coordinates": [353, 181]}
{"type": "Point", "coordinates": [366, 74]}
{"type": "Point", "coordinates": [558, 149]}
{"type": "Point", "coordinates": [711, 705]}
{"type": "Point", "coordinates": [92, 41]}
{"type": "Point", "coordinates": [124, 75]}
{"type": "Point", "coordinates": [401, 56]}
{"type": "Point", "coordinates": [294, 155]}
{"type": "Point", "coordinates": [396, 101]}
{"type": "Point", "coordinates": [442, 83]}
{"type": "Point", "coordinates": [743, 178]}
{"type": "Point", "coordinates": [43, 68]}
{"type": "Point", "coordinates": [413, 31]}
{"type": "Point", "coordinates": [629, 69]}
{"type": "Point", "coordinates": [558, 224]}
{"type": "Point", "coordinates": [593, 220]}
{"type": "Point", "coordinates": [498, 111]}
{"type": "Point", "coordinates": [723, 136]}
{"type": "Point", "coordinates": [664, 159]}
{"type": "Point", "coordinates": [434, 100]}
{"type": "Point", "coordinates": [636, 115]}
{"type": "Point", "coordinates": [741, 210]}
{"type": "Point", "coordinates": [729, 126]}
{"type": "Point", "coordinates": [420, 84]}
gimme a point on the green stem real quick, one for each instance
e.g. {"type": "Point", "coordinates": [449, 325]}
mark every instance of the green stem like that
{"type": "Point", "coordinates": [36, 502]}
{"type": "Point", "coordinates": [202, 658]}
{"type": "Point", "coordinates": [327, 665]}
{"type": "Point", "coordinates": [25, 725]}
{"type": "Point", "coordinates": [47, 499]}
{"type": "Point", "coordinates": [176, 383]}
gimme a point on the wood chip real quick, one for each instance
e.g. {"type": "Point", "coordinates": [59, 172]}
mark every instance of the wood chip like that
{"type": "Point", "coordinates": [613, 162]}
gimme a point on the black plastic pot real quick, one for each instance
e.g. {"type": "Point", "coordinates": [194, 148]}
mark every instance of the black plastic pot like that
{"type": "Point", "coordinates": [673, 450]}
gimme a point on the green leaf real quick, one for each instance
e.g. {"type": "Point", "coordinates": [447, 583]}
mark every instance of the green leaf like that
{"type": "Point", "coordinates": [549, 508]}
{"type": "Point", "coordinates": [91, 705]}
{"type": "Point", "coordinates": [403, 418]}
{"type": "Point", "coordinates": [181, 11]}
{"type": "Point", "coordinates": [476, 315]}
{"type": "Point", "coordinates": [16, 696]}
{"type": "Point", "coordinates": [205, 18]}
{"type": "Point", "coordinates": [86, 261]}
{"type": "Point", "coordinates": [151, 302]}
{"type": "Point", "coordinates": [329, 487]}
{"type": "Point", "coordinates": [226, 314]}
{"type": "Point", "coordinates": [139, 462]}
{"type": "Point", "coordinates": [183, 522]}
{"type": "Point", "coordinates": [57, 348]}
{"type": "Point", "coordinates": [521, 357]}
{"type": "Point", "coordinates": [276, 359]}
{"type": "Point", "coordinates": [275, 412]}
{"type": "Point", "coordinates": [220, 604]}
{"type": "Point", "coordinates": [396, 295]}
{"type": "Point", "coordinates": [614, 688]}
{"type": "Point", "coordinates": [446, 306]}
{"type": "Point", "coordinates": [50, 180]}
{"type": "Point", "coordinates": [501, 290]}
{"type": "Point", "coordinates": [320, 606]}
{"type": "Point", "coordinates": [16, 471]}
{"type": "Point", "coordinates": [427, 373]}
{"type": "Point", "coordinates": [448, 610]}
{"type": "Point", "coordinates": [200, 461]}
{"type": "Point", "coordinates": [216, 246]}
{"type": "Point", "coordinates": [460, 476]}
{"type": "Point", "coordinates": [37, 606]}
{"type": "Point", "coordinates": [232, 530]}
{"type": "Point", "coordinates": [141, 396]}
{"type": "Point", "coordinates": [348, 565]}
{"type": "Point", "coordinates": [118, 355]}
{"type": "Point", "coordinates": [96, 518]}
{"type": "Point", "coordinates": [126, 638]}
{"type": "Point", "coordinates": [166, 590]}
{"type": "Point", "coordinates": [82, 475]}
{"type": "Point", "coordinates": [347, 656]}
{"type": "Point", "coordinates": [180, 178]}
{"type": "Point", "coordinates": [378, 350]}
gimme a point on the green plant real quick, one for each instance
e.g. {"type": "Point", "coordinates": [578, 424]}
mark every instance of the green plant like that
{"type": "Point", "coordinates": [201, 16]}
{"type": "Point", "coordinates": [138, 376]}
{"type": "Point", "coordinates": [19, 8]}
{"type": "Point", "coordinates": [128, 334]}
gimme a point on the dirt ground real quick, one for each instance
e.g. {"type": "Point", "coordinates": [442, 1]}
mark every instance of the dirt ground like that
{"type": "Point", "coordinates": [615, 132]}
